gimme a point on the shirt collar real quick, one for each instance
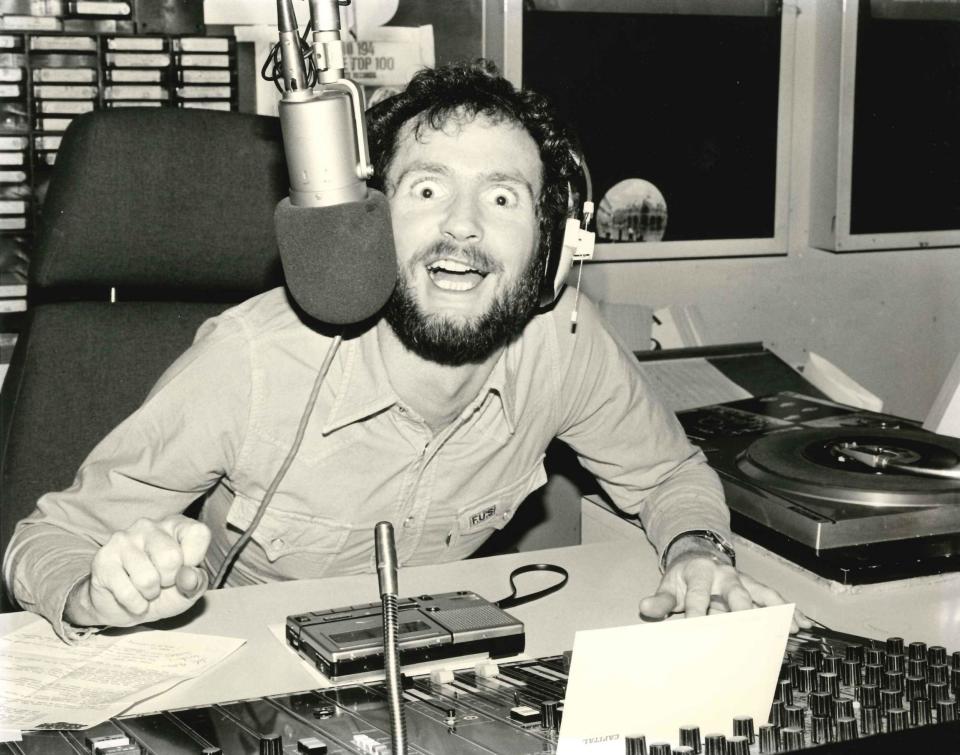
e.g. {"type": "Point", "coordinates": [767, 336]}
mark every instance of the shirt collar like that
{"type": "Point", "coordinates": [502, 381]}
{"type": "Point", "coordinates": [364, 388]}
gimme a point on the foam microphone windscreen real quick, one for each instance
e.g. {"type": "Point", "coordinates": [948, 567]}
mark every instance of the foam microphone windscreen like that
{"type": "Point", "coordinates": [339, 261]}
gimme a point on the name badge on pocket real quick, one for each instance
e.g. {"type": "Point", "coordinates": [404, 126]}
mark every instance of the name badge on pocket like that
{"type": "Point", "coordinates": [483, 517]}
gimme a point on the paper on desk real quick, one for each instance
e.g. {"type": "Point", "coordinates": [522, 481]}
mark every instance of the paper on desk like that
{"type": "Point", "coordinates": [690, 383]}
{"type": "Point", "coordinates": [651, 679]}
{"type": "Point", "coordinates": [45, 683]}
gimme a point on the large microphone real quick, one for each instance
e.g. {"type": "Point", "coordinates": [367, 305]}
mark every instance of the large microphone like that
{"type": "Point", "coordinates": [334, 233]}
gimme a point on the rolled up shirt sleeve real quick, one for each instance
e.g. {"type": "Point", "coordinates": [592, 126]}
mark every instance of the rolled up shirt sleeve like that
{"type": "Point", "coordinates": [631, 442]}
{"type": "Point", "coordinates": [174, 448]}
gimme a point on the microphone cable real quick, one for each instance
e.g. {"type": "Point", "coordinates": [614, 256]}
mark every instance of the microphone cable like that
{"type": "Point", "coordinates": [244, 538]}
{"type": "Point", "coordinates": [274, 64]}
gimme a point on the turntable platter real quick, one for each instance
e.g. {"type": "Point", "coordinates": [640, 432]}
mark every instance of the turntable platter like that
{"type": "Point", "coordinates": [810, 462]}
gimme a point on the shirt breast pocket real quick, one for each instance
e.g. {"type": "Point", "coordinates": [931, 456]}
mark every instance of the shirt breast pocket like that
{"type": "Point", "coordinates": [311, 542]}
{"type": "Point", "coordinates": [476, 521]}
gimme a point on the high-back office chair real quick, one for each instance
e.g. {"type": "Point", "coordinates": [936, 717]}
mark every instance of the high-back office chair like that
{"type": "Point", "coordinates": [173, 211]}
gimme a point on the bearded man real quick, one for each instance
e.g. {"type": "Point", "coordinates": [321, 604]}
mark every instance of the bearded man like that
{"type": "Point", "coordinates": [434, 416]}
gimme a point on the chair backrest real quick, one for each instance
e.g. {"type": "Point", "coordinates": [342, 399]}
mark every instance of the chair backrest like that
{"type": "Point", "coordinates": [171, 208]}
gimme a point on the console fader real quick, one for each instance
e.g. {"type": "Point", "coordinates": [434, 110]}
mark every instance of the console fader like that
{"type": "Point", "coordinates": [836, 694]}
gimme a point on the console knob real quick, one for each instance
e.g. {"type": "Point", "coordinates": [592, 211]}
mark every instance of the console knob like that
{"type": "Point", "coordinates": [738, 746]}
{"type": "Point", "coordinates": [811, 656]}
{"type": "Point", "coordinates": [831, 663]}
{"type": "Point", "coordinates": [690, 737]}
{"type": "Point", "coordinates": [946, 711]}
{"type": "Point", "coordinates": [795, 716]}
{"type": "Point", "coordinates": [937, 691]}
{"type": "Point", "coordinates": [805, 678]}
{"type": "Point", "coordinates": [784, 692]}
{"type": "Point", "coordinates": [895, 662]}
{"type": "Point", "coordinates": [937, 673]}
{"type": "Point", "coordinates": [850, 673]}
{"type": "Point", "coordinates": [842, 707]}
{"type": "Point", "coordinates": [937, 655]}
{"type": "Point", "coordinates": [743, 727]}
{"type": "Point", "coordinates": [819, 703]}
{"type": "Point", "coordinates": [870, 720]}
{"type": "Point", "coordinates": [821, 730]}
{"type": "Point", "coordinates": [827, 681]}
{"type": "Point", "coordinates": [917, 667]}
{"type": "Point", "coordinates": [873, 674]}
{"type": "Point", "coordinates": [715, 744]}
{"type": "Point", "coordinates": [894, 644]}
{"type": "Point", "coordinates": [846, 729]}
{"type": "Point", "coordinates": [768, 738]}
{"type": "Point", "coordinates": [778, 714]}
{"type": "Point", "coordinates": [792, 737]}
{"type": "Point", "coordinates": [897, 719]}
{"type": "Point", "coordinates": [636, 744]}
{"type": "Point", "coordinates": [854, 652]}
{"type": "Point", "coordinates": [920, 711]}
{"type": "Point", "coordinates": [890, 699]}
{"type": "Point", "coordinates": [271, 744]}
{"type": "Point", "coordinates": [916, 686]}
{"type": "Point", "coordinates": [869, 695]}
{"type": "Point", "coordinates": [917, 651]}
{"type": "Point", "coordinates": [548, 714]}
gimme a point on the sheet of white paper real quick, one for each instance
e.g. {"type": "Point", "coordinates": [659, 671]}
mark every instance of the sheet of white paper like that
{"type": "Point", "coordinates": [651, 679]}
{"type": "Point", "coordinates": [44, 681]}
{"type": "Point", "coordinates": [690, 383]}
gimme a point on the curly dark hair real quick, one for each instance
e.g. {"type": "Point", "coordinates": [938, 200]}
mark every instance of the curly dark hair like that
{"type": "Point", "coordinates": [435, 95]}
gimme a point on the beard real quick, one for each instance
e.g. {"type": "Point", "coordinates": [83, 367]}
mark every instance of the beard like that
{"type": "Point", "coordinates": [455, 341]}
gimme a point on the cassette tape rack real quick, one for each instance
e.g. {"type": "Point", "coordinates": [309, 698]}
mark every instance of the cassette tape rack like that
{"type": "Point", "coordinates": [48, 78]}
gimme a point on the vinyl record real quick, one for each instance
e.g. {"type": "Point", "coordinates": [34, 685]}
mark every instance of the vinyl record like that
{"type": "Point", "coordinates": [810, 462]}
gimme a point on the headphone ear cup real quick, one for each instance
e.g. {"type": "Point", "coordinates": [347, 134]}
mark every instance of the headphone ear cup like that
{"type": "Point", "coordinates": [560, 258]}
{"type": "Point", "coordinates": [571, 234]}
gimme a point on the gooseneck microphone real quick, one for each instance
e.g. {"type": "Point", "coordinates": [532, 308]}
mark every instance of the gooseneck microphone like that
{"type": "Point", "coordinates": [334, 234]}
{"type": "Point", "coordinates": [386, 553]}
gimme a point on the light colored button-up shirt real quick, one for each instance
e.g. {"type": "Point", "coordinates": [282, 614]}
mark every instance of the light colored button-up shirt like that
{"type": "Point", "coordinates": [223, 417]}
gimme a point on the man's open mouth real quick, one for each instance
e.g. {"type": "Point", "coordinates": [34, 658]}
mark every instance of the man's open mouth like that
{"type": "Point", "coordinates": [451, 275]}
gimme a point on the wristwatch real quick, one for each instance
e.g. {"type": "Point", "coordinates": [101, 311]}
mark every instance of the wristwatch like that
{"type": "Point", "coordinates": [709, 538]}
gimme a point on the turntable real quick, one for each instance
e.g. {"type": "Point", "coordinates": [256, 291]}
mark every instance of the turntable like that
{"type": "Point", "coordinates": [853, 495]}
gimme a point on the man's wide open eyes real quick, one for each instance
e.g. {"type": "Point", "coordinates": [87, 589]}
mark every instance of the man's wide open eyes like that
{"type": "Point", "coordinates": [502, 197]}
{"type": "Point", "coordinates": [426, 189]}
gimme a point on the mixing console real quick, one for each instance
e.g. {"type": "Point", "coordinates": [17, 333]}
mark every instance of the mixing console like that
{"type": "Point", "coordinates": [836, 693]}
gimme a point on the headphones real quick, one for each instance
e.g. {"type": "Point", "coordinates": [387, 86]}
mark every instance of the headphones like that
{"type": "Point", "coordinates": [578, 240]}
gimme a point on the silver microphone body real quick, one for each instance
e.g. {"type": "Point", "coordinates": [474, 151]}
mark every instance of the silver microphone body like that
{"type": "Point", "coordinates": [320, 141]}
{"type": "Point", "coordinates": [386, 552]}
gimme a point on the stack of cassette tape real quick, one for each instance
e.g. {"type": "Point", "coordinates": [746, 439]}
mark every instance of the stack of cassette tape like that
{"type": "Point", "coordinates": [62, 58]}
{"type": "Point", "coordinates": [136, 71]}
{"type": "Point", "coordinates": [205, 70]}
{"type": "Point", "coordinates": [15, 186]}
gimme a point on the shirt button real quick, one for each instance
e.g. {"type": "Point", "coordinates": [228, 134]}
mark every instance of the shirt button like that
{"type": "Point", "coordinates": [408, 522]}
{"type": "Point", "coordinates": [277, 542]}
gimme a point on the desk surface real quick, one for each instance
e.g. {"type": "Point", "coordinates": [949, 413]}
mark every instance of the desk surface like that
{"type": "Point", "coordinates": [607, 579]}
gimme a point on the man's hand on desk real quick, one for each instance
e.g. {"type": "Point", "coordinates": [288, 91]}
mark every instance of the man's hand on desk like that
{"type": "Point", "coordinates": [699, 580]}
{"type": "Point", "coordinates": [145, 573]}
